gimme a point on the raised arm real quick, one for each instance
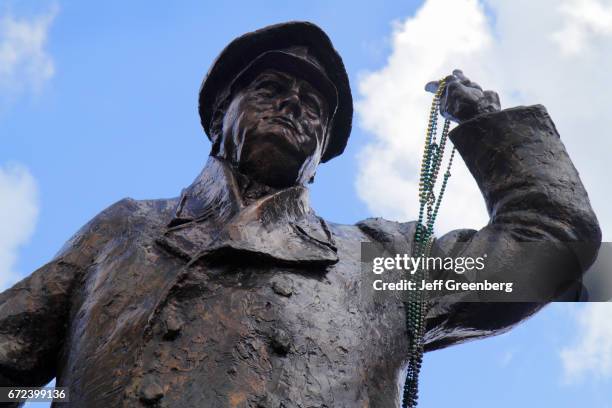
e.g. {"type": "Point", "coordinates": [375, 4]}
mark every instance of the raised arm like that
{"type": "Point", "coordinates": [533, 194]}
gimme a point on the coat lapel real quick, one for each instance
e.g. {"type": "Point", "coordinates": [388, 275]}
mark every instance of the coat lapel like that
{"type": "Point", "coordinates": [210, 223]}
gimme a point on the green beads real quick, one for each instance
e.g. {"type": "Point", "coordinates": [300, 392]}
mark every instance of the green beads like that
{"type": "Point", "coordinates": [416, 306]}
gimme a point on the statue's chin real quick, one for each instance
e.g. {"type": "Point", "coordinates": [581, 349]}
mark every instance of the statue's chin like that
{"type": "Point", "coordinates": [271, 165]}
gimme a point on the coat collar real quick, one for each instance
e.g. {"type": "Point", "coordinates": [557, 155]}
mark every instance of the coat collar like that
{"type": "Point", "coordinates": [212, 222]}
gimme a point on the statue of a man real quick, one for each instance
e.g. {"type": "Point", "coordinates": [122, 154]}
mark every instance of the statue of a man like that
{"type": "Point", "coordinates": [236, 294]}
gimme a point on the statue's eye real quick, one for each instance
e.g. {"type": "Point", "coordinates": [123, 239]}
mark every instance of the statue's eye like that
{"type": "Point", "coordinates": [268, 87]}
{"type": "Point", "coordinates": [312, 104]}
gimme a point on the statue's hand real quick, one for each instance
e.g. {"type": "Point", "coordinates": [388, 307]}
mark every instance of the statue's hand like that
{"type": "Point", "coordinates": [463, 99]}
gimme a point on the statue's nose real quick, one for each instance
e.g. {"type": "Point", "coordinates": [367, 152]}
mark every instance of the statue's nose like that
{"type": "Point", "coordinates": [290, 103]}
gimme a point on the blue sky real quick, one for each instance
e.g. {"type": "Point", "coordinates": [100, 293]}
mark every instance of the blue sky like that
{"type": "Point", "coordinates": [117, 117]}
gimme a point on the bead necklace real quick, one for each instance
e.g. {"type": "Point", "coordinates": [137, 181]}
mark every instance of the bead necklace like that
{"type": "Point", "coordinates": [429, 205]}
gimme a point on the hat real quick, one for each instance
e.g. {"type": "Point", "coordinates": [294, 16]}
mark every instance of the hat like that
{"type": "Point", "coordinates": [295, 47]}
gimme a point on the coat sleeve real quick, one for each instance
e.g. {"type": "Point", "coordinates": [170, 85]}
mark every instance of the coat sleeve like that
{"type": "Point", "coordinates": [34, 313]}
{"type": "Point", "coordinates": [533, 194]}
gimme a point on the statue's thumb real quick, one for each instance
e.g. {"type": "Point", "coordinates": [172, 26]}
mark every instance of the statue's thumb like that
{"type": "Point", "coordinates": [432, 86]}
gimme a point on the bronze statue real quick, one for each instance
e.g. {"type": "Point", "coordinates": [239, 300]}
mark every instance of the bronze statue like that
{"type": "Point", "coordinates": [236, 294]}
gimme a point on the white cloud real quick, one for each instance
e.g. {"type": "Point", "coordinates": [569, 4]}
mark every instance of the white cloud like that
{"type": "Point", "coordinates": [394, 106]}
{"type": "Point", "coordinates": [25, 65]}
{"type": "Point", "coordinates": [18, 214]}
{"type": "Point", "coordinates": [584, 21]}
{"type": "Point", "coordinates": [591, 355]}
{"type": "Point", "coordinates": [528, 52]}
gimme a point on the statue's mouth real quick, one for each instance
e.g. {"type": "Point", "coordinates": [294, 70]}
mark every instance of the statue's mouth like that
{"type": "Point", "coordinates": [292, 132]}
{"type": "Point", "coordinates": [288, 123]}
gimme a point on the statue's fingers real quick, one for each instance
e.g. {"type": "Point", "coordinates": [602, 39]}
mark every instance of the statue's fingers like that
{"type": "Point", "coordinates": [432, 86]}
{"type": "Point", "coordinates": [472, 84]}
{"type": "Point", "coordinates": [493, 98]}
{"type": "Point", "coordinates": [450, 79]}
{"type": "Point", "coordinates": [459, 74]}
{"type": "Point", "coordinates": [465, 80]}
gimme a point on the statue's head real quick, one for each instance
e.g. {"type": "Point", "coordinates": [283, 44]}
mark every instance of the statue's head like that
{"type": "Point", "coordinates": [276, 103]}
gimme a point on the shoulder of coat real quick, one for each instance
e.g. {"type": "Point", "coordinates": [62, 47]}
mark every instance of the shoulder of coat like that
{"type": "Point", "coordinates": [377, 229]}
{"type": "Point", "coordinates": [383, 230]}
{"type": "Point", "coordinates": [122, 218]}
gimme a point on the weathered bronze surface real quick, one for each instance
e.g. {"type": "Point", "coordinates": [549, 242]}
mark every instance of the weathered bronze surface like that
{"type": "Point", "coordinates": [236, 294]}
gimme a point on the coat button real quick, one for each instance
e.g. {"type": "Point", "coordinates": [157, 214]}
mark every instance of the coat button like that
{"type": "Point", "coordinates": [174, 324]}
{"type": "Point", "coordinates": [282, 287]}
{"type": "Point", "coordinates": [280, 341]}
{"type": "Point", "coordinates": [150, 391]}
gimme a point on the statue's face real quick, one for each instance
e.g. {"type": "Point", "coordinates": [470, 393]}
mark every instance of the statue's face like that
{"type": "Point", "coordinates": [274, 129]}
